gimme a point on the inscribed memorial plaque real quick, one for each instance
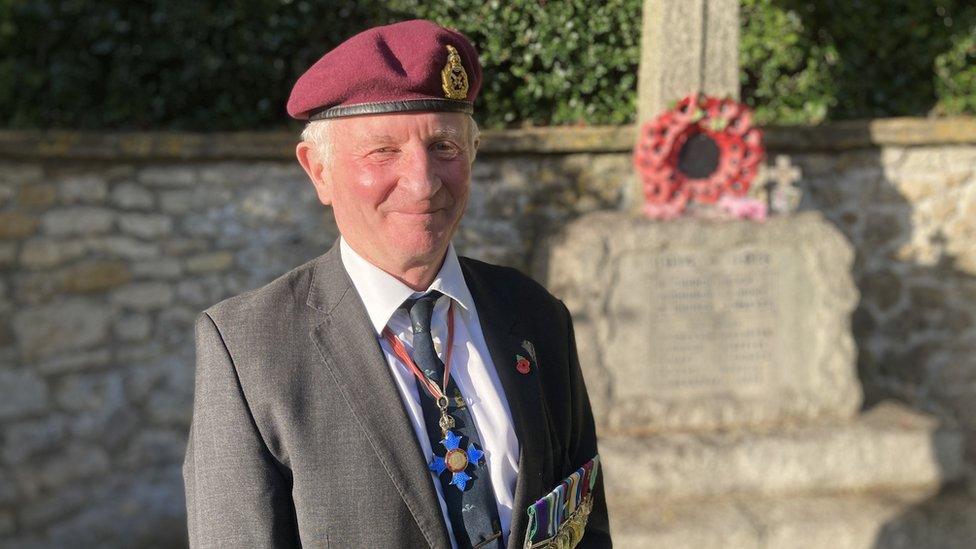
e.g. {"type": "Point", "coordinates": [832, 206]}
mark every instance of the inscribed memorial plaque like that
{"type": "Point", "coordinates": [714, 320]}
{"type": "Point", "coordinates": [699, 325]}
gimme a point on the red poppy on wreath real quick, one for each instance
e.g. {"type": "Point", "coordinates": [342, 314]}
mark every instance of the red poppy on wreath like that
{"type": "Point", "coordinates": [701, 150]}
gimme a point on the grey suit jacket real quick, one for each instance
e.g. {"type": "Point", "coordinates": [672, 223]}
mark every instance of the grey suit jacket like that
{"type": "Point", "coordinates": [300, 438]}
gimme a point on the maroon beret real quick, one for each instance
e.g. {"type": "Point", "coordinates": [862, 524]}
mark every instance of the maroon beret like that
{"type": "Point", "coordinates": [413, 66]}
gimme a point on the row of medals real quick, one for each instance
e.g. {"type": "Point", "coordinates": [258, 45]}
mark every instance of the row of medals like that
{"type": "Point", "coordinates": [571, 530]}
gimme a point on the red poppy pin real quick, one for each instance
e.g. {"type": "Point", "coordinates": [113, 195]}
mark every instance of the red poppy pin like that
{"type": "Point", "coordinates": [522, 364]}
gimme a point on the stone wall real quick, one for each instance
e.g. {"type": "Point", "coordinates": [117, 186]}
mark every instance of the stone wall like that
{"type": "Point", "coordinates": [110, 244]}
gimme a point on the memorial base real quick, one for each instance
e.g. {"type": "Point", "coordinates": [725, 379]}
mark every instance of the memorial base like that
{"type": "Point", "coordinates": [876, 482]}
{"type": "Point", "coordinates": [889, 448]}
{"type": "Point", "coordinates": [719, 361]}
{"type": "Point", "coordinates": [904, 520]}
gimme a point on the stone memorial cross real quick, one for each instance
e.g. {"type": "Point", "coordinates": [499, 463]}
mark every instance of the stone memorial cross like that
{"type": "Point", "coordinates": [687, 46]}
{"type": "Point", "coordinates": [784, 196]}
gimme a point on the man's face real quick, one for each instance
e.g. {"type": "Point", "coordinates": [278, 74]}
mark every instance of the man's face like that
{"type": "Point", "coordinates": [398, 184]}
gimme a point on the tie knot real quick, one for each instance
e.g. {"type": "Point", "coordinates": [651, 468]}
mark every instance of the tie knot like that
{"type": "Point", "coordinates": [421, 310]}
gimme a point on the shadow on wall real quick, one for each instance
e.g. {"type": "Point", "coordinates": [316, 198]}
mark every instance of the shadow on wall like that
{"type": "Point", "coordinates": [909, 212]}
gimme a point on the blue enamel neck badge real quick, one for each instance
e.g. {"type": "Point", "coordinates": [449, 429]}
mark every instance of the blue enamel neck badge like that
{"type": "Point", "coordinates": [456, 460]}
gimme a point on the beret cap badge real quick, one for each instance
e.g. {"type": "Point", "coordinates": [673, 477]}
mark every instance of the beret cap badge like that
{"type": "Point", "coordinates": [453, 78]}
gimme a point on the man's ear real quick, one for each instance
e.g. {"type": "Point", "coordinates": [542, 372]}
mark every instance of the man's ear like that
{"type": "Point", "coordinates": [311, 162]}
{"type": "Point", "coordinates": [474, 153]}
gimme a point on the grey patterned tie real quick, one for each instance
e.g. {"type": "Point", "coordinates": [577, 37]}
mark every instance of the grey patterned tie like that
{"type": "Point", "coordinates": [473, 511]}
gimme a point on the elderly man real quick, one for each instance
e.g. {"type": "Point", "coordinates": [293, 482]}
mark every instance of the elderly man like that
{"type": "Point", "coordinates": [389, 393]}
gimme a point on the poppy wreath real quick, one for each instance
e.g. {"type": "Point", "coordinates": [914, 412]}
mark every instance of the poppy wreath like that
{"type": "Point", "coordinates": [727, 123]}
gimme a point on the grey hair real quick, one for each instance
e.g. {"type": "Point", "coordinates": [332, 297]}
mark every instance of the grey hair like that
{"type": "Point", "coordinates": [319, 134]}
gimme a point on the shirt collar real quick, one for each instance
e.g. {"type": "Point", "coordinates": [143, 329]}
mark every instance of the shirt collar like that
{"type": "Point", "coordinates": [382, 294]}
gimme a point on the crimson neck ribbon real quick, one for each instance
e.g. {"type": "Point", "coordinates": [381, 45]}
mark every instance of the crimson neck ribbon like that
{"type": "Point", "coordinates": [439, 393]}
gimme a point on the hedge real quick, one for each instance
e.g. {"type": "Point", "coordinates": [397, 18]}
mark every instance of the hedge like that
{"type": "Point", "coordinates": [805, 61]}
{"type": "Point", "coordinates": [209, 65]}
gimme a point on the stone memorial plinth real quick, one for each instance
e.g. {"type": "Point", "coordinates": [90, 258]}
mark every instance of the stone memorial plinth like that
{"type": "Point", "coordinates": [721, 368]}
{"type": "Point", "coordinates": [704, 325]}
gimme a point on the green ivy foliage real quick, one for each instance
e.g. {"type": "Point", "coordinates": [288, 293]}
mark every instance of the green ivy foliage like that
{"type": "Point", "coordinates": [955, 71]}
{"type": "Point", "coordinates": [785, 74]}
{"type": "Point", "coordinates": [211, 65]}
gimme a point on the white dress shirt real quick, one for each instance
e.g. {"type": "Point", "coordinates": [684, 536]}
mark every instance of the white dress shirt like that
{"type": "Point", "coordinates": [471, 366]}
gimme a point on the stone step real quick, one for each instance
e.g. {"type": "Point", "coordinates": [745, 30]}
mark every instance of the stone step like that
{"type": "Point", "coordinates": [889, 448]}
{"type": "Point", "coordinates": [880, 521]}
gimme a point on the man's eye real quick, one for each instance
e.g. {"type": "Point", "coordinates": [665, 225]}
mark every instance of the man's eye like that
{"type": "Point", "coordinates": [385, 150]}
{"type": "Point", "coordinates": [445, 147]}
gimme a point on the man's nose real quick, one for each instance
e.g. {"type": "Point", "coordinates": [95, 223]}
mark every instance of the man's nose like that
{"type": "Point", "coordinates": [418, 174]}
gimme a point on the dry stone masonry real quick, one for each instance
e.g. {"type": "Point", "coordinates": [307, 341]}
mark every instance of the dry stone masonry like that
{"type": "Point", "coordinates": [106, 266]}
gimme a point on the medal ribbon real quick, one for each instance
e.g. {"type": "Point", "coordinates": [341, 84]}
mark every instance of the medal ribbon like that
{"type": "Point", "coordinates": [401, 352]}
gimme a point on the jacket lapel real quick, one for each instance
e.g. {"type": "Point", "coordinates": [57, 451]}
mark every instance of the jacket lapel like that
{"type": "Point", "coordinates": [504, 335]}
{"type": "Point", "coordinates": [351, 352]}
